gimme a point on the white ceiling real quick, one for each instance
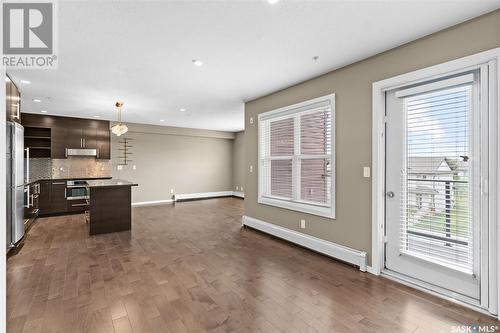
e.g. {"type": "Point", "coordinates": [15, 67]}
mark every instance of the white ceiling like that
{"type": "Point", "coordinates": [141, 52]}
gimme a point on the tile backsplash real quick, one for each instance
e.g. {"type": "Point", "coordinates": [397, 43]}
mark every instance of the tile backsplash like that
{"type": "Point", "coordinates": [72, 167]}
{"type": "Point", "coordinates": [40, 168]}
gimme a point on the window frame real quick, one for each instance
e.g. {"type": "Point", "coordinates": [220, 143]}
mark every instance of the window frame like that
{"type": "Point", "coordinates": [295, 111]}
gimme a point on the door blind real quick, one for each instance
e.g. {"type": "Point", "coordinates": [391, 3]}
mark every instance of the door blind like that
{"type": "Point", "coordinates": [295, 151]}
{"type": "Point", "coordinates": [436, 219]}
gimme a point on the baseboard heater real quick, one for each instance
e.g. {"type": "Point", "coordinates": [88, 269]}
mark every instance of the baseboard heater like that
{"type": "Point", "coordinates": [204, 195]}
{"type": "Point", "coordinates": [322, 246]}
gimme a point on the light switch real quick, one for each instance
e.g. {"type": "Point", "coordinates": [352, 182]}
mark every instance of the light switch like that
{"type": "Point", "coordinates": [119, 167]}
{"type": "Point", "coordinates": [366, 172]}
{"type": "Point", "coordinates": [134, 167]}
{"type": "Point", "coordinates": [251, 168]}
{"type": "Point", "coordinates": [251, 120]}
{"type": "Point", "coordinates": [302, 224]}
{"type": "Point", "coordinates": [171, 191]}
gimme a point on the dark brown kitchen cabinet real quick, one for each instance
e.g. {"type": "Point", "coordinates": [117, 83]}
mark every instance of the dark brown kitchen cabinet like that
{"type": "Point", "coordinates": [103, 140]}
{"type": "Point", "coordinates": [44, 197]}
{"type": "Point", "coordinates": [89, 136]}
{"type": "Point", "coordinates": [78, 206]}
{"type": "Point", "coordinates": [72, 133]}
{"type": "Point", "coordinates": [58, 142]}
{"type": "Point", "coordinates": [74, 138]}
{"type": "Point", "coordinates": [58, 201]}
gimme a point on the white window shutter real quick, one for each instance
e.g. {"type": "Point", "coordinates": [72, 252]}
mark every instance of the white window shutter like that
{"type": "Point", "coordinates": [296, 167]}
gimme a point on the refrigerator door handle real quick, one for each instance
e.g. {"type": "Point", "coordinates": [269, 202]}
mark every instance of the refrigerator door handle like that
{"type": "Point", "coordinates": [18, 112]}
{"type": "Point", "coordinates": [27, 165]}
{"type": "Point", "coordinates": [27, 197]}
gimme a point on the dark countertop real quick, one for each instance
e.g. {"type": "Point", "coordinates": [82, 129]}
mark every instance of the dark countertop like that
{"type": "Point", "coordinates": [109, 183]}
{"type": "Point", "coordinates": [64, 179]}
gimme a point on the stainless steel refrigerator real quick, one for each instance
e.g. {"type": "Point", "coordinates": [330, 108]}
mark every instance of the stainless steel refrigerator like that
{"type": "Point", "coordinates": [16, 178]}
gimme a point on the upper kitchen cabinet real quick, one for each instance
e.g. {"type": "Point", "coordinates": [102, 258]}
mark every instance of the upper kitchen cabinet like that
{"type": "Point", "coordinates": [12, 101]}
{"type": "Point", "coordinates": [80, 135]}
{"type": "Point", "coordinates": [103, 140]}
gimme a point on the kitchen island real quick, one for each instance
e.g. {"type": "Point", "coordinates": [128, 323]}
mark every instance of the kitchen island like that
{"type": "Point", "coordinates": [110, 206]}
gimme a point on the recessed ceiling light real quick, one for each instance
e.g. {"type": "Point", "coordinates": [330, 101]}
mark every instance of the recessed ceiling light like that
{"type": "Point", "coordinates": [36, 100]}
{"type": "Point", "coordinates": [43, 111]}
{"type": "Point", "coordinates": [182, 110]}
{"type": "Point", "coordinates": [197, 62]}
{"type": "Point", "coordinates": [272, 2]}
{"type": "Point", "coordinates": [25, 81]}
{"type": "Point", "coordinates": [162, 120]}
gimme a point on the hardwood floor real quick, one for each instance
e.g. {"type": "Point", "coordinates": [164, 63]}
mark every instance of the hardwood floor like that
{"type": "Point", "coordinates": [190, 267]}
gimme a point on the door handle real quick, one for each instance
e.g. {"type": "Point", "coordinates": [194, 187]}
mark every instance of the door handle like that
{"type": "Point", "coordinates": [390, 194]}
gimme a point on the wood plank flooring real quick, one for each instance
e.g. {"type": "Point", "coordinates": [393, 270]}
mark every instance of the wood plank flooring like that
{"type": "Point", "coordinates": [190, 267]}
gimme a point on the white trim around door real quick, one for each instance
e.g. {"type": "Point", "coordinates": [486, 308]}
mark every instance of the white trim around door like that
{"type": "Point", "coordinates": [490, 58]}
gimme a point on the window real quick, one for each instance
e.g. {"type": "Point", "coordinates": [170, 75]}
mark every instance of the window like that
{"type": "Point", "coordinates": [296, 157]}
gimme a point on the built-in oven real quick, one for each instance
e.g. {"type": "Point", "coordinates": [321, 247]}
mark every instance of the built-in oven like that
{"type": "Point", "coordinates": [77, 189]}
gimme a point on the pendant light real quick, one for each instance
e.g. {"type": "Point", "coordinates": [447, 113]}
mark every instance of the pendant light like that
{"type": "Point", "coordinates": [119, 128]}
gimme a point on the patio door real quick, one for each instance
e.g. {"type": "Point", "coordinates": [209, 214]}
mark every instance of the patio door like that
{"type": "Point", "coordinates": [436, 172]}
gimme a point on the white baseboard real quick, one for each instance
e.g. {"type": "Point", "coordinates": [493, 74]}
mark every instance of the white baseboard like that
{"type": "Point", "coordinates": [189, 196]}
{"type": "Point", "coordinates": [151, 203]}
{"type": "Point", "coordinates": [239, 194]}
{"type": "Point", "coordinates": [330, 249]}
{"type": "Point", "coordinates": [202, 195]}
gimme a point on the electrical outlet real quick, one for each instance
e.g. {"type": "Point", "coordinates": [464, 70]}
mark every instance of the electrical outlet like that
{"type": "Point", "coordinates": [366, 172]}
{"type": "Point", "coordinates": [242, 189]}
{"type": "Point", "coordinates": [119, 167]}
{"type": "Point", "coordinates": [302, 224]}
{"type": "Point", "coordinates": [171, 191]}
{"type": "Point", "coordinates": [251, 120]}
{"type": "Point", "coordinates": [236, 188]}
{"type": "Point", "coordinates": [251, 168]}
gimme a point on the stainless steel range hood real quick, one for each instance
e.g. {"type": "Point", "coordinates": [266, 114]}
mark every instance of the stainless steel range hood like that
{"type": "Point", "coordinates": [81, 152]}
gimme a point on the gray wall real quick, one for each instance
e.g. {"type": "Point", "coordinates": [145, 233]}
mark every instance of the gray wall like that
{"type": "Point", "coordinates": [186, 160]}
{"type": "Point", "coordinates": [238, 162]}
{"type": "Point", "coordinates": [353, 88]}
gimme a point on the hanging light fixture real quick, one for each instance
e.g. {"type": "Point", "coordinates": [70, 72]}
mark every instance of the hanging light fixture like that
{"type": "Point", "coordinates": [119, 128]}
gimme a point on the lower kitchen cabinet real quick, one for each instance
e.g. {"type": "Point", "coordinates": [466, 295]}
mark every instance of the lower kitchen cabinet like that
{"type": "Point", "coordinates": [44, 197]}
{"type": "Point", "coordinates": [58, 202]}
{"type": "Point", "coordinates": [77, 206]}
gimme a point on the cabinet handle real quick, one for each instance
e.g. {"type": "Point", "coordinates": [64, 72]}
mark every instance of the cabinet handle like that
{"type": "Point", "coordinates": [65, 192]}
{"type": "Point", "coordinates": [84, 143]}
{"type": "Point", "coordinates": [59, 183]}
{"type": "Point", "coordinates": [79, 205]}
